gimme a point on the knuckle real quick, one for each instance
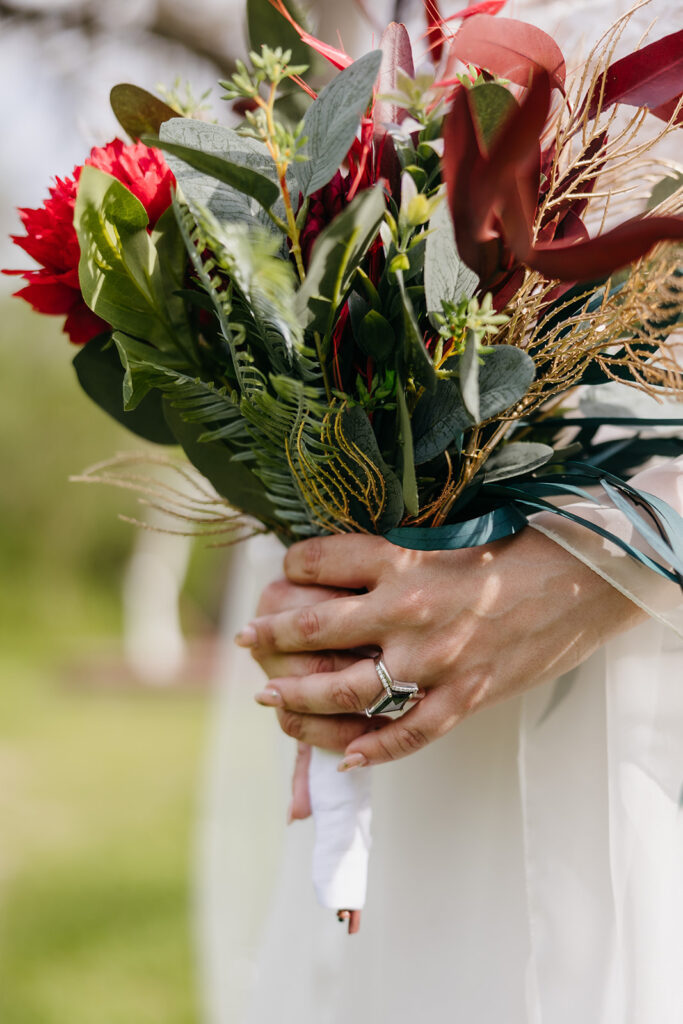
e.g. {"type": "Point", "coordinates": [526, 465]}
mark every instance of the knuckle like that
{"type": "Point", "coordinates": [307, 625]}
{"type": "Point", "coordinates": [308, 556]}
{"type": "Point", "coordinates": [318, 664]}
{"type": "Point", "coordinates": [346, 698]}
{"type": "Point", "coordinates": [292, 724]}
{"type": "Point", "coordinates": [410, 738]}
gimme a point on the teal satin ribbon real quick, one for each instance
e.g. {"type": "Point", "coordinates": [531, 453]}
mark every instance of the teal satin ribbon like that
{"type": "Point", "coordinates": [501, 522]}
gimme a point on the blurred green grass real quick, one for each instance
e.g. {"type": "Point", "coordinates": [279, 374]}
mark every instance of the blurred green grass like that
{"type": "Point", "coordinates": [97, 785]}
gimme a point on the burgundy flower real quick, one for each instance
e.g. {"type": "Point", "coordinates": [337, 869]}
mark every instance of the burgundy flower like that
{"type": "Point", "coordinates": [325, 204]}
{"type": "Point", "coordinates": [51, 237]}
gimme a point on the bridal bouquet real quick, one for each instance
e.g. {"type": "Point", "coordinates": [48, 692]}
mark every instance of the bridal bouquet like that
{"type": "Point", "coordinates": [365, 309]}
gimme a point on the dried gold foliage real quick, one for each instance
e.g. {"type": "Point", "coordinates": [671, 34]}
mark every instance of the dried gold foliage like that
{"type": "Point", "coordinates": [190, 500]}
{"type": "Point", "coordinates": [329, 484]}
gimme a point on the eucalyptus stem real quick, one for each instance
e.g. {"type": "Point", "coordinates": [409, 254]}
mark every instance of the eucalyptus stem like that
{"type": "Point", "coordinates": [282, 165]}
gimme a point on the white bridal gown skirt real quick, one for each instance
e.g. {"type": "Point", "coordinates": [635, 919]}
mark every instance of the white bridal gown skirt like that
{"type": "Point", "coordinates": [525, 869]}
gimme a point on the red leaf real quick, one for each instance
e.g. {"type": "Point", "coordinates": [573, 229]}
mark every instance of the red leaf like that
{"type": "Point", "coordinates": [667, 110]}
{"type": "Point", "coordinates": [596, 257]}
{"type": "Point", "coordinates": [650, 77]}
{"type": "Point", "coordinates": [397, 55]}
{"type": "Point", "coordinates": [507, 47]}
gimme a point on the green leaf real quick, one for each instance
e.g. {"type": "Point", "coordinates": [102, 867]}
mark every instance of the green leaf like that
{"type": "Point", "coordinates": [375, 336]}
{"type": "Point", "coordinates": [331, 122]}
{"type": "Point", "coordinates": [139, 360]}
{"type": "Point", "coordinates": [233, 480]}
{"type": "Point", "coordinates": [446, 277]}
{"type": "Point", "coordinates": [410, 493]}
{"type": "Point", "coordinates": [416, 355]}
{"type": "Point", "coordinates": [337, 252]}
{"type": "Point", "coordinates": [469, 377]}
{"type": "Point", "coordinates": [100, 374]}
{"type": "Point", "coordinates": [244, 179]}
{"type": "Point", "coordinates": [139, 112]}
{"type": "Point", "coordinates": [515, 459]}
{"type": "Point", "coordinates": [665, 188]}
{"type": "Point", "coordinates": [357, 429]}
{"type": "Point", "coordinates": [505, 376]}
{"type": "Point", "coordinates": [120, 270]}
{"type": "Point", "coordinates": [267, 27]}
{"type": "Point", "coordinates": [437, 420]}
{"type": "Point", "coordinates": [491, 105]}
{"type": "Point", "coordinates": [225, 201]}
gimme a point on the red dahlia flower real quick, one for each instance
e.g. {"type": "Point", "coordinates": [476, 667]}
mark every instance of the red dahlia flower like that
{"type": "Point", "coordinates": [51, 237]}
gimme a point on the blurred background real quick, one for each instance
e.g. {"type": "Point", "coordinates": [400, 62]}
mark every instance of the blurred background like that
{"type": "Point", "coordinates": [100, 757]}
{"type": "Point", "coordinates": [109, 636]}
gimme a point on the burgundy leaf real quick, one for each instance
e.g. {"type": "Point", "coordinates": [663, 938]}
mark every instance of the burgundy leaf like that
{"type": "Point", "coordinates": [509, 48]}
{"type": "Point", "coordinates": [597, 257]}
{"type": "Point", "coordinates": [397, 55]}
{"type": "Point", "coordinates": [667, 110]}
{"type": "Point", "coordinates": [650, 77]}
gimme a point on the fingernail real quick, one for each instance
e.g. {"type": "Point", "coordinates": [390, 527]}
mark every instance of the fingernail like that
{"type": "Point", "coordinates": [351, 762]}
{"type": "Point", "coordinates": [247, 637]}
{"type": "Point", "coordinates": [269, 698]}
{"type": "Point", "coordinates": [343, 915]}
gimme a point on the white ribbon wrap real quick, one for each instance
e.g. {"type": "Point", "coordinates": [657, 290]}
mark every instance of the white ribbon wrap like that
{"type": "Point", "coordinates": [342, 814]}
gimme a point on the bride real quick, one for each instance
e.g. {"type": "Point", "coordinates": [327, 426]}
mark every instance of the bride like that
{"type": "Point", "coordinates": [527, 862]}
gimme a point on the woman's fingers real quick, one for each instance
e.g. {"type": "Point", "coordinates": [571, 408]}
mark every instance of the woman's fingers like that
{"type": "Point", "coordinates": [284, 665]}
{"type": "Point", "coordinates": [354, 561]}
{"type": "Point", "coordinates": [300, 807]}
{"type": "Point", "coordinates": [348, 691]}
{"type": "Point", "coordinates": [432, 718]}
{"type": "Point", "coordinates": [331, 732]}
{"type": "Point", "coordinates": [332, 625]}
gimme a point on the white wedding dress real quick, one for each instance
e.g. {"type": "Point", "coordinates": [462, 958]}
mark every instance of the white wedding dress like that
{"type": "Point", "coordinates": [525, 869]}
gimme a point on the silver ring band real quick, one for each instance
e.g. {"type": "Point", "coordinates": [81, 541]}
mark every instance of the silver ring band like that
{"type": "Point", "coordinates": [394, 696]}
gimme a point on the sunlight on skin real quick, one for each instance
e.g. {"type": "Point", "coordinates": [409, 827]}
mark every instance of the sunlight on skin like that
{"type": "Point", "coordinates": [471, 627]}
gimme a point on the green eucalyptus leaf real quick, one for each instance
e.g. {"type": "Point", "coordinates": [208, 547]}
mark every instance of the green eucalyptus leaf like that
{"type": "Point", "coordinates": [469, 377]}
{"type": "Point", "coordinates": [409, 479]}
{"type": "Point", "coordinates": [100, 374]}
{"type": "Point", "coordinates": [664, 188]}
{"type": "Point", "coordinates": [515, 459]}
{"type": "Point", "coordinates": [376, 336]}
{"type": "Point", "coordinates": [233, 480]}
{"type": "Point", "coordinates": [417, 357]}
{"type": "Point", "coordinates": [201, 188]}
{"type": "Point", "coordinates": [505, 375]}
{"type": "Point", "coordinates": [446, 277]}
{"type": "Point", "coordinates": [139, 112]}
{"type": "Point", "coordinates": [123, 276]}
{"type": "Point", "coordinates": [331, 122]}
{"type": "Point", "coordinates": [244, 179]}
{"type": "Point", "coordinates": [337, 252]}
{"type": "Point", "coordinates": [437, 420]}
{"type": "Point", "coordinates": [491, 105]}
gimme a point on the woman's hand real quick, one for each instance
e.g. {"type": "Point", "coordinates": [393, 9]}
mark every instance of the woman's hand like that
{"type": "Point", "coordinates": [470, 627]}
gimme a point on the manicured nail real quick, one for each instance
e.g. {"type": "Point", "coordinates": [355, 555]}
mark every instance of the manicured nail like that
{"type": "Point", "coordinates": [247, 637]}
{"type": "Point", "coordinates": [269, 698]}
{"type": "Point", "coordinates": [351, 762]}
{"type": "Point", "coordinates": [343, 915]}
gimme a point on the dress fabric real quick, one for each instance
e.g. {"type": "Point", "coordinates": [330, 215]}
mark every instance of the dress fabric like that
{"type": "Point", "coordinates": [526, 869]}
